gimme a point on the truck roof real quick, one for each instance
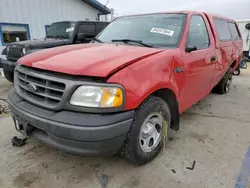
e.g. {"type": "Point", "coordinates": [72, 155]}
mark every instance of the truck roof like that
{"type": "Point", "coordinates": [183, 12]}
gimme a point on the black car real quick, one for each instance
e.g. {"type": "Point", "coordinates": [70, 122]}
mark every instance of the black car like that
{"type": "Point", "coordinates": [59, 33]}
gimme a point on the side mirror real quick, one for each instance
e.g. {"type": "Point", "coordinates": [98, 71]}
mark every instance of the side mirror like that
{"type": "Point", "coordinates": [190, 48]}
{"type": "Point", "coordinates": [81, 37]}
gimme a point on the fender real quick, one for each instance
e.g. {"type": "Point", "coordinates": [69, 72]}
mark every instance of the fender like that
{"type": "Point", "coordinates": [144, 77]}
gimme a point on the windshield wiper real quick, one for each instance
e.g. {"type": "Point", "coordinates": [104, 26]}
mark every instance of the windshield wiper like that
{"type": "Point", "coordinates": [135, 41]}
{"type": "Point", "coordinates": [97, 40]}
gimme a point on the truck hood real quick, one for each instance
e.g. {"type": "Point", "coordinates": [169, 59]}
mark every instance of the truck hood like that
{"type": "Point", "coordinates": [41, 43]}
{"type": "Point", "coordinates": [98, 60]}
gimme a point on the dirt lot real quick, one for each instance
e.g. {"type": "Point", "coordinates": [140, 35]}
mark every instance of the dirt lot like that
{"type": "Point", "coordinates": [215, 133]}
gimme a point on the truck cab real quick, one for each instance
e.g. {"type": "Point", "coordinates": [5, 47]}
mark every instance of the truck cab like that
{"type": "Point", "coordinates": [58, 34]}
{"type": "Point", "coordinates": [123, 92]}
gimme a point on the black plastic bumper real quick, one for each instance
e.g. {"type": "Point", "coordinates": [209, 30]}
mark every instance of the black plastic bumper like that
{"type": "Point", "coordinates": [8, 65]}
{"type": "Point", "coordinates": [73, 132]}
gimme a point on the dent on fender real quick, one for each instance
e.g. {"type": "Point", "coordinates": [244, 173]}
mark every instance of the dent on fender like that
{"type": "Point", "coordinates": [144, 78]}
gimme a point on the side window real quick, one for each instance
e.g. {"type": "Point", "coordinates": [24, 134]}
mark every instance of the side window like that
{"type": "Point", "coordinates": [47, 29]}
{"type": "Point", "coordinates": [14, 33]}
{"type": "Point", "coordinates": [222, 29]}
{"type": "Point", "coordinates": [87, 28]}
{"type": "Point", "coordinates": [100, 27]}
{"type": "Point", "coordinates": [234, 31]}
{"type": "Point", "coordinates": [197, 34]}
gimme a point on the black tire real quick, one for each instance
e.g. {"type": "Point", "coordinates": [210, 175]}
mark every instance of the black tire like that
{"type": "Point", "coordinates": [244, 65]}
{"type": "Point", "coordinates": [237, 72]}
{"type": "Point", "coordinates": [132, 150]}
{"type": "Point", "coordinates": [9, 75]}
{"type": "Point", "coordinates": [222, 87]}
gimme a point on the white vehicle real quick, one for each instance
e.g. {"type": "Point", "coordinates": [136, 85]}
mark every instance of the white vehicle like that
{"type": "Point", "coordinates": [244, 26]}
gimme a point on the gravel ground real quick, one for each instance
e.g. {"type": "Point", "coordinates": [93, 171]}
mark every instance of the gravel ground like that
{"type": "Point", "coordinates": [215, 133]}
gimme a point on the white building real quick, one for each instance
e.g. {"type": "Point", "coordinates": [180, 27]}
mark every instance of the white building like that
{"type": "Point", "coordinates": [28, 19]}
{"type": "Point", "coordinates": [245, 33]}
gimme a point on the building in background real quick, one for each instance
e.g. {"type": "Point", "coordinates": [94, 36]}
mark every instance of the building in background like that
{"type": "Point", "coordinates": [30, 19]}
{"type": "Point", "coordinates": [244, 26]}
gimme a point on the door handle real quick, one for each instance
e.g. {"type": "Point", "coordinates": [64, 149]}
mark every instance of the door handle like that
{"type": "Point", "coordinates": [213, 59]}
{"type": "Point", "coordinates": [179, 70]}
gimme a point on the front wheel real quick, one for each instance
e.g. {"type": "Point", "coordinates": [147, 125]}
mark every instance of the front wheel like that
{"type": "Point", "coordinates": [148, 132]}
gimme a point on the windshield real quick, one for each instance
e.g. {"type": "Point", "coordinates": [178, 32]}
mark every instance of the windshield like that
{"type": "Point", "coordinates": [61, 30]}
{"type": "Point", "coordinates": [158, 30]}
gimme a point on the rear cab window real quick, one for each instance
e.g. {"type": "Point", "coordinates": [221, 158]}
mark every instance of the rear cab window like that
{"type": "Point", "coordinates": [234, 31]}
{"type": "Point", "coordinates": [226, 30]}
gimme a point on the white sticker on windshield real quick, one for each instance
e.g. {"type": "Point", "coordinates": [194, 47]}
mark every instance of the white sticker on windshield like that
{"type": "Point", "coordinates": [70, 29]}
{"type": "Point", "coordinates": [162, 31]}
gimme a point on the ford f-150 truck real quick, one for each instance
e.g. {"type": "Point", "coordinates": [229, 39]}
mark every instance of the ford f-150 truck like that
{"type": "Point", "coordinates": [58, 34]}
{"type": "Point", "coordinates": [123, 92]}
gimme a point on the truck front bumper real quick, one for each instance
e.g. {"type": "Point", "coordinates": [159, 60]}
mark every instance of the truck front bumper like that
{"type": "Point", "coordinates": [8, 65]}
{"type": "Point", "coordinates": [73, 132]}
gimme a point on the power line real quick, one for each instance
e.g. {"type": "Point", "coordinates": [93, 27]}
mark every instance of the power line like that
{"type": "Point", "coordinates": [107, 2]}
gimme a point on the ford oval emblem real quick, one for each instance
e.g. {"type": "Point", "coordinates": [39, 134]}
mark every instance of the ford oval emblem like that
{"type": "Point", "coordinates": [31, 87]}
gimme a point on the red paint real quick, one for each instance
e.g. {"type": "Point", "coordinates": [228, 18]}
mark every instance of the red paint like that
{"type": "Point", "coordinates": [144, 70]}
{"type": "Point", "coordinates": [98, 60]}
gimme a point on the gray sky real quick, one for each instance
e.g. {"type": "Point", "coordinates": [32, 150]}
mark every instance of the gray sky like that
{"type": "Point", "coordinates": [237, 9]}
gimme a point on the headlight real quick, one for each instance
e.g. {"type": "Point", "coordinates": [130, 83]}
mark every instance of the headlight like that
{"type": "Point", "coordinates": [8, 49]}
{"type": "Point", "coordinates": [97, 97]}
{"type": "Point", "coordinates": [24, 51]}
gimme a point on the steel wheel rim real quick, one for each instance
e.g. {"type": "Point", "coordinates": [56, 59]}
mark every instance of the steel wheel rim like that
{"type": "Point", "coordinates": [236, 72]}
{"type": "Point", "coordinates": [151, 132]}
{"type": "Point", "coordinates": [229, 81]}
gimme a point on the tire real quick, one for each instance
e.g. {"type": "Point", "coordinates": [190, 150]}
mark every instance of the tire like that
{"type": "Point", "coordinates": [154, 111]}
{"type": "Point", "coordinates": [244, 65]}
{"type": "Point", "coordinates": [237, 72]}
{"type": "Point", "coordinates": [9, 75]}
{"type": "Point", "coordinates": [223, 86]}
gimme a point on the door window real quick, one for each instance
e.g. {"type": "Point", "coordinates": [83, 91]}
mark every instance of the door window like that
{"type": "Point", "coordinates": [14, 33]}
{"type": "Point", "coordinates": [197, 34]}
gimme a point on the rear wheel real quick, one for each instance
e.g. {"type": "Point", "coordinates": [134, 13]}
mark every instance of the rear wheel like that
{"type": "Point", "coordinates": [148, 132]}
{"type": "Point", "coordinates": [244, 65]}
{"type": "Point", "coordinates": [225, 84]}
{"type": "Point", "coordinates": [9, 75]}
{"type": "Point", "coordinates": [237, 72]}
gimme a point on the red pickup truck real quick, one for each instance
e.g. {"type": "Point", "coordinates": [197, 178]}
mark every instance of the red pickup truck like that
{"type": "Point", "coordinates": [123, 91]}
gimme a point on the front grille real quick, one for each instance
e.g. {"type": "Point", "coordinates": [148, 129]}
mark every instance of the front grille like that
{"type": "Point", "coordinates": [48, 92]}
{"type": "Point", "coordinates": [14, 53]}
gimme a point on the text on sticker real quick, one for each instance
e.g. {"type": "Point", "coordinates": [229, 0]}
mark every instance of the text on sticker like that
{"type": "Point", "coordinates": [70, 29]}
{"type": "Point", "coordinates": [162, 31]}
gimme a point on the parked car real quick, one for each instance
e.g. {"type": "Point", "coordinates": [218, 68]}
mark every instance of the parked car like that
{"type": "Point", "coordinates": [58, 34]}
{"type": "Point", "coordinates": [122, 92]}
